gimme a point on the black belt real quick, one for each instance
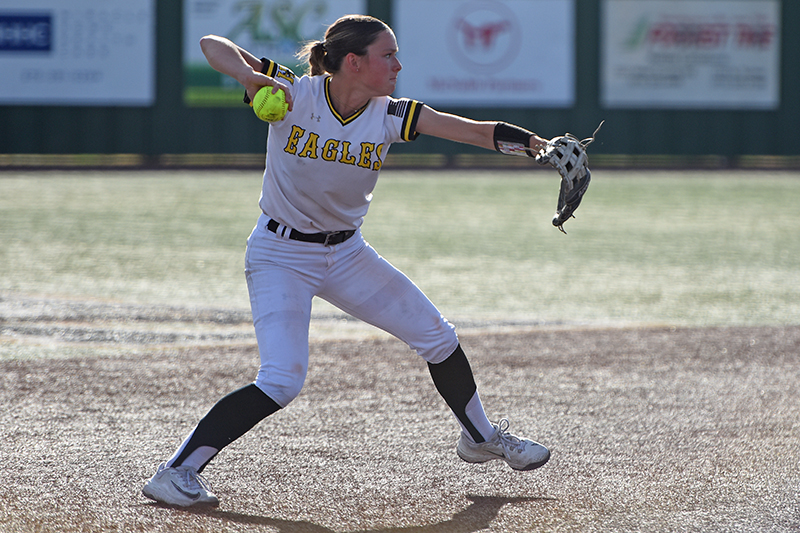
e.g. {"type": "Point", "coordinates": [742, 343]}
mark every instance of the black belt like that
{"type": "Point", "coordinates": [328, 239]}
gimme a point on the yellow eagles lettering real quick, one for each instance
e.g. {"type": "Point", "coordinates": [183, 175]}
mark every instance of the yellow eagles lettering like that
{"type": "Point", "coordinates": [333, 150]}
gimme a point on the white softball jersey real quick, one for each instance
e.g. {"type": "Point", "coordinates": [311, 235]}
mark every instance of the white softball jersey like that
{"type": "Point", "coordinates": [321, 168]}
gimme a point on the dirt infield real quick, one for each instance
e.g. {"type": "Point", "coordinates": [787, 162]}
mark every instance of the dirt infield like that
{"type": "Point", "coordinates": [650, 429]}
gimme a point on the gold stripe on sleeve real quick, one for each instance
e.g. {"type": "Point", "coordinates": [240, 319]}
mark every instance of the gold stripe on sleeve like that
{"type": "Point", "coordinates": [410, 120]}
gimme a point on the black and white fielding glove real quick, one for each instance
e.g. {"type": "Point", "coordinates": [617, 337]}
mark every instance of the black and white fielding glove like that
{"type": "Point", "coordinates": [567, 154]}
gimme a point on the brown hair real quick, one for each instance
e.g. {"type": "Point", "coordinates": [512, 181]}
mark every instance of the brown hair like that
{"type": "Point", "coordinates": [350, 33]}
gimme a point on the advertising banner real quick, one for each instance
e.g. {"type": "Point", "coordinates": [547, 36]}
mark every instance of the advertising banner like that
{"type": "Point", "coordinates": [484, 53]}
{"type": "Point", "coordinates": [275, 29]}
{"type": "Point", "coordinates": [713, 54]}
{"type": "Point", "coordinates": [81, 52]}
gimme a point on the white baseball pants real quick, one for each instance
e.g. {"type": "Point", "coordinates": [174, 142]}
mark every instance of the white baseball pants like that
{"type": "Point", "coordinates": [284, 275]}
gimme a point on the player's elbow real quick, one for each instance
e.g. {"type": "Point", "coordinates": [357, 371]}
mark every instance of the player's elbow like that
{"type": "Point", "coordinates": [208, 43]}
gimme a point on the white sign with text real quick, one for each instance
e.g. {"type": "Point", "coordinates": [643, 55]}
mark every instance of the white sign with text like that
{"type": "Point", "coordinates": [691, 54]}
{"type": "Point", "coordinates": [81, 52]}
{"type": "Point", "coordinates": [514, 53]}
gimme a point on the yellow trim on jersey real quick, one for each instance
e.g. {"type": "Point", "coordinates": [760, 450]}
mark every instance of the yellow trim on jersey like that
{"type": "Point", "coordinates": [340, 118]}
{"type": "Point", "coordinates": [278, 71]}
{"type": "Point", "coordinates": [269, 68]}
{"type": "Point", "coordinates": [410, 121]}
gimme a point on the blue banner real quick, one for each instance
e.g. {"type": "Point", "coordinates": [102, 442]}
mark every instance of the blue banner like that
{"type": "Point", "coordinates": [25, 33]}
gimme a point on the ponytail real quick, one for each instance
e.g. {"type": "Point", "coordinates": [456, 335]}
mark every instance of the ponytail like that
{"type": "Point", "coordinates": [314, 53]}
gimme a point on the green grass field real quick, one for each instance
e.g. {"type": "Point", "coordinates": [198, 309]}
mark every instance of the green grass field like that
{"type": "Point", "coordinates": [693, 248]}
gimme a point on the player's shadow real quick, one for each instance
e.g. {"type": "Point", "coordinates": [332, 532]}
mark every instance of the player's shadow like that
{"type": "Point", "coordinates": [477, 516]}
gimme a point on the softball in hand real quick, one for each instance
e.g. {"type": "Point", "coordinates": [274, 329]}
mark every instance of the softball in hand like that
{"type": "Point", "coordinates": [270, 107]}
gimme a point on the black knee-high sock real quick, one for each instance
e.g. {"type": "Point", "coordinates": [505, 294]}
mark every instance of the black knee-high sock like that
{"type": "Point", "coordinates": [231, 417]}
{"type": "Point", "coordinates": [454, 381]}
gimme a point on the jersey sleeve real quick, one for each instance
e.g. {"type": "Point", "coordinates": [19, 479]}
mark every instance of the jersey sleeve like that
{"type": "Point", "coordinates": [402, 115]}
{"type": "Point", "coordinates": [273, 70]}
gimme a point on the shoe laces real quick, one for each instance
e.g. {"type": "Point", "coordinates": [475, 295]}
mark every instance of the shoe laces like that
{"type": "Point", "coordinates": [193, 480]}
{"type": "Point", "coordinates": [507, 440]}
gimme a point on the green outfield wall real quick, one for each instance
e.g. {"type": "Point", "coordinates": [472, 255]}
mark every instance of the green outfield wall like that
{"type": "Point", "coordinates": [169, 131]}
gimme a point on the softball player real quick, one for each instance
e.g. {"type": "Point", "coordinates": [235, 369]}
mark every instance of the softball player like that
{"type": "Point", "coordinates": [323, 160]}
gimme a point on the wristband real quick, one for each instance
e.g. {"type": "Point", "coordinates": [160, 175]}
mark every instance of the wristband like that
{"type": "Point", "coordinates": [512, 140]}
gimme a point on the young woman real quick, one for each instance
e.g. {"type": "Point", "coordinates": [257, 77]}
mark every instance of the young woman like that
{"type": "Point", "coordinates": [323, 160]}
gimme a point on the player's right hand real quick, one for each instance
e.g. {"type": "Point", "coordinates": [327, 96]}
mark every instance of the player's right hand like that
{"type": "Point", "coordinates": [258, 80]}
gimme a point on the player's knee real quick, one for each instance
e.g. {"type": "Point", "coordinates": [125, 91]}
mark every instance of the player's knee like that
{"type": "Point", "coordinates": [439, 349]}
{"type": "Point", "coordinates": [284, 389]}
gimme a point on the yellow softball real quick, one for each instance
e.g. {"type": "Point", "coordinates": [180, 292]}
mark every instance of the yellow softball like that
{"type": "Point", "coordinates": [270, 107]}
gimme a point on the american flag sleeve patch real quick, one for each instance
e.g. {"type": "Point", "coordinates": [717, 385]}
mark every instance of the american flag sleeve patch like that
{"type": "Point", "coordinates": [409, 111]}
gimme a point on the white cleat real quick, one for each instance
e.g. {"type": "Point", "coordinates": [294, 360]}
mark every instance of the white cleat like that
{"type": "Point", "coordinates": [181, 486]}
{"type": "Point", "coordinates": [520, 454]}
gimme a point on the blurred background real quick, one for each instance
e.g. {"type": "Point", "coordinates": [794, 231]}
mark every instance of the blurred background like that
{"type": "Point", "coordinates": [686, 83]}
